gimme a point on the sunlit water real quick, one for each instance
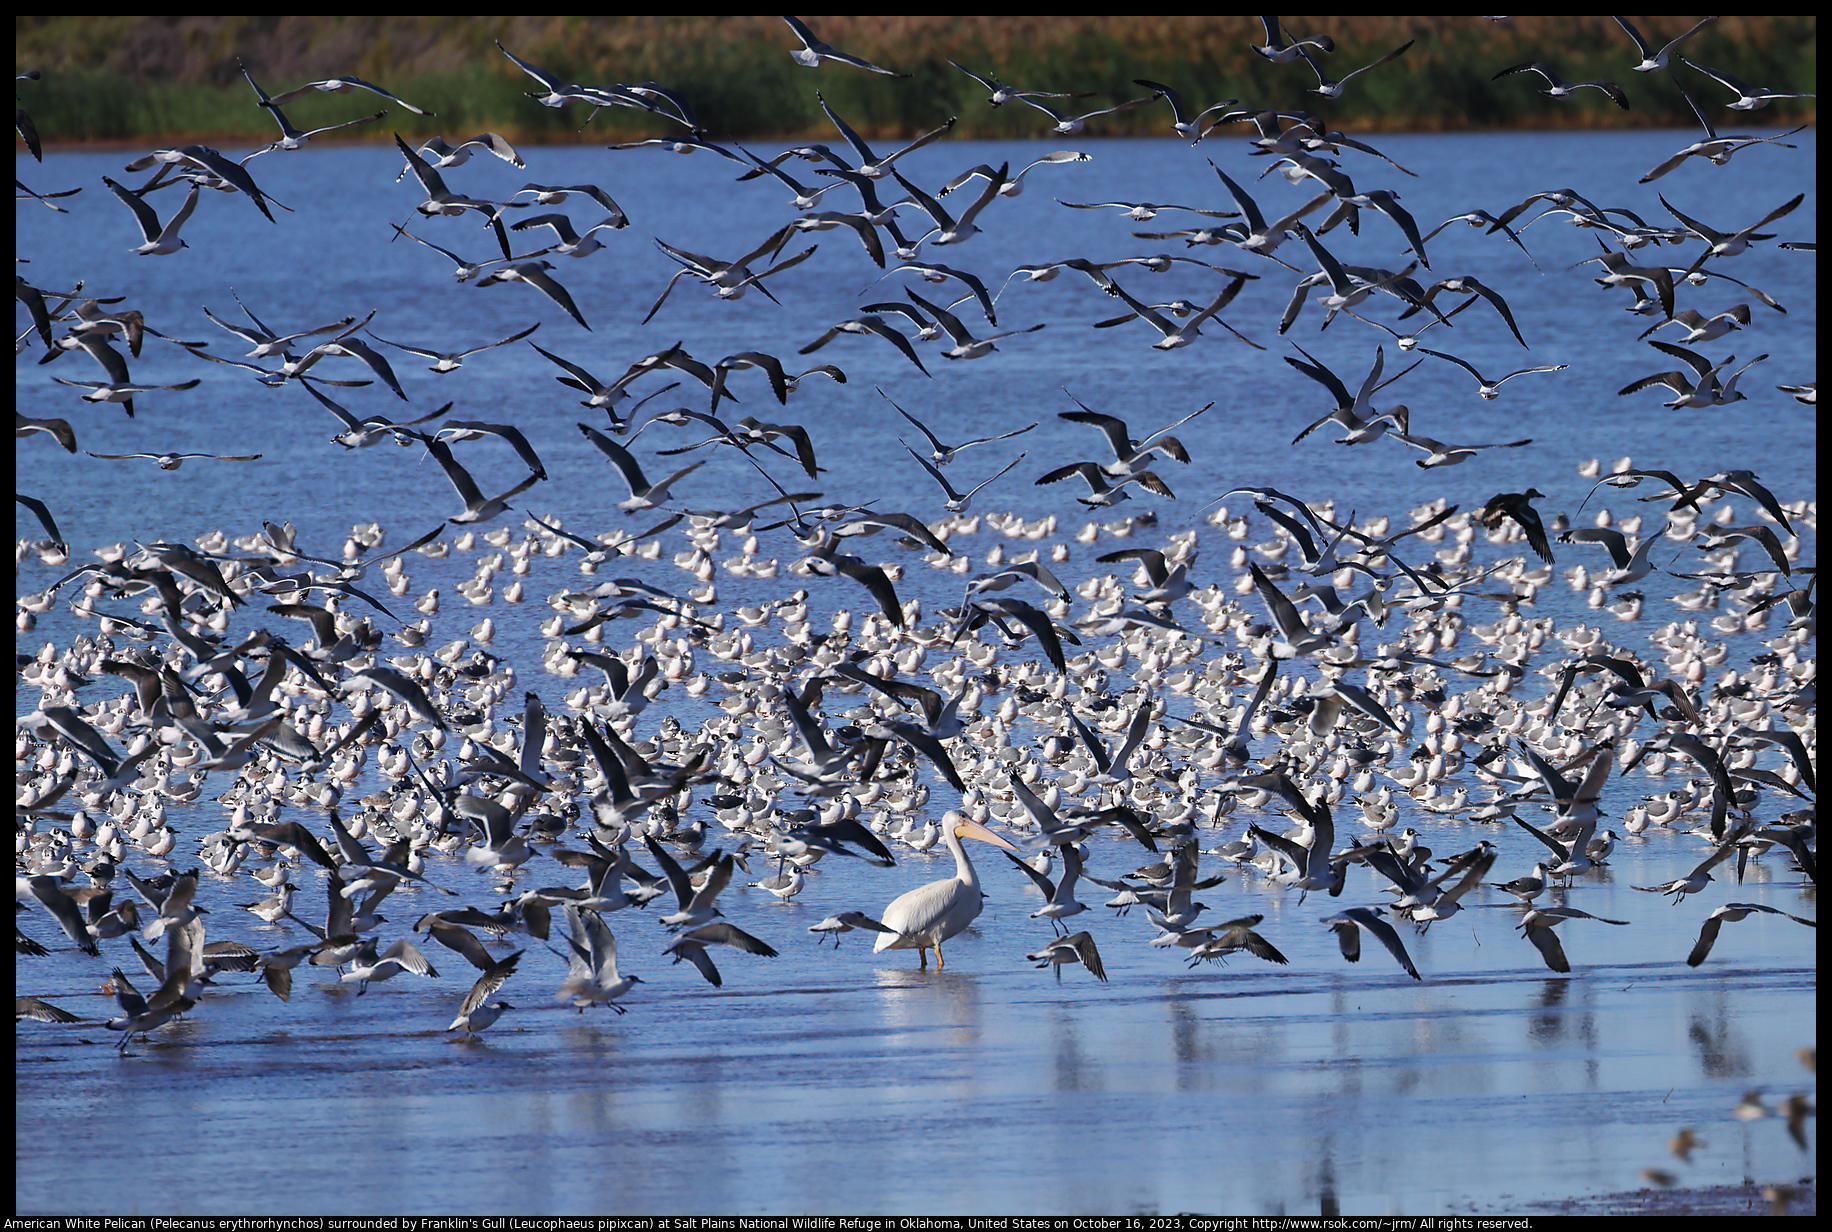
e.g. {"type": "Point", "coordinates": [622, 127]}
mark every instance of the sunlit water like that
{"type": "Point", "coordinates": [842, 1081]}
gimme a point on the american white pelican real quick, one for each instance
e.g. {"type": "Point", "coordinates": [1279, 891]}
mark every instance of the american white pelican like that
{"type": "Point", "coordinates": [929, 915]}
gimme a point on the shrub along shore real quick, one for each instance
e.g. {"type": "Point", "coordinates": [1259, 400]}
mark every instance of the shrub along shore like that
{"type": "Point", "coordinates": [167, 79]}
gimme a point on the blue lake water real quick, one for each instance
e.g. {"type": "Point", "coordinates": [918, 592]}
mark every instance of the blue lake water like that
{"type": "Point", "coordinates": [838, 1080]}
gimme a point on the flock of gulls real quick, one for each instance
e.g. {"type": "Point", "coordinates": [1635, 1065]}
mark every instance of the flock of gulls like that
{"type": "Point", "coordinates": [1270, 723]}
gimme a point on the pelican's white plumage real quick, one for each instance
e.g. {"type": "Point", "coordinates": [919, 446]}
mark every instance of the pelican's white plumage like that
{"type": "Point", "coordinates": [929, 915]}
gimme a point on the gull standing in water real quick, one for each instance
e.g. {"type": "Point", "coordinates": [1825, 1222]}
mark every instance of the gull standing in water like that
{"type": "Point", "coordinates": [927, 916]}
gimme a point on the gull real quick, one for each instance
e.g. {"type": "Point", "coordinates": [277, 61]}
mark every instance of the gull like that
{"type": "Point", "coordinates": [1346, 289]}
{"type": "Point", "coordinates": [1464, 285]}
{"type": "Point", "coordinates": [729, 279]}
{"type": "Point", "coordinates": [451, 361]}
{"type": "Point", "coordinates": [1140, 211]}
{"type": "Point", "coordinates": [368, 965]}
{"type": "Point", "coordinates": [828, 562]}
{"type": "Point", "coordinates": [1260, 237]}
{"type": "Point", "coordinates": [861, 225]}
{"type": "Point", "coordinates": [1718, 149]}
{"type": "Point", "coordinates": [1069, 126]}
{"type": "Point", "coordinates": [1652, 60]}
{"type": "Point", "coordinates": [160, 241]}
{"type": "Point", "coordinates": [1748, 98]}
{"type": "Point", "coordinates": [1011, 185]}
{"type": "Point", "coordinates": [48, 892]}
{"type": "Point", "coordinates": [266, 341]}
{"type": "Point", "coordinates": [472, 429]}
{"type": "Point", "coordinates": [445, 154]}
{"type": "Point", "coordinates": [1526, 888]}
{"type": "Point", "coordinates": [1277, 50]}
{"type": "Point", "coordinates": [1106, 488]}
{"type": "Point", "coordinates": [782, 382]}
{"type": "Point", "coordinates": [571, 244]}
{"type": "Point", "coordinates": [1329, 88]}
{"type": "Point", "coordinates": [942, 453]}
{"type": "Point", "coordinates": [477, 507]}
{"type": "Point", "coordinates": [41, 1011]}
{"type": "Point", "coordinates": [592, 977]}
{"type": "Point", "coordinates": [1705, 390]}
{"type": "Point", "coordinates": [477, 1011]}
{"type": "Point", "coordinates": [966, 346]}
{"type": "Point", "coordinates": [1631, 566]}
{"type": "Point", "coordinates": [1059, 895]}
{"type": "Point", "coordinates": [221, 172]}
{"type": "Point", "coordinates": [1002, 93]}
{"type": "Point", "coordinates": [534, 274]}
{"type": "Point", "coordinates": [643, 494]}
{"type": "Point", "coordinates": [356, 348]}
{"type": "Point", "coordinates": [813, 51]}
{"type": "Point", "coordinates": [1077, 948]}
{"type": "Point", "coordinates": [340, 85]}
{"type": "Point", "coordinates": [466, 270]}
{"type": "Point", "coordinates": [1556, 87]}
{"type": "Point", "coordinates": [1221, 940]}
{"type": "Point", "coordinates": [1490, 390]}
{"type": "Point", "coordinates": [932, 272]}
{"type": "Point", "coordinates": [1731, 913]}
{"type": "Point", "coordinates": [1174, 336]}
{"type": "Point", "coordinates": [1182, 123]}
{"type": "Point", "coordinates": [691, 947]}
{"type": "Point", "coordinates": [1701, 328]}
{"type": "Point", "coordinates": [1355, 414]}
{"type": "Point", "coordinates": [868, 324]}
{"type": "Point", "coordinates": [1537, 926]}
{"type": "Point", "coordinates": [557, 93]}
{"type": "Point", "coordinates": [292, 138]}
{"type": "Point", "coordinates": [1445, 904]}
{"type": "Point", "coordinates": [439, 198]}
{"type": "Point", "coordinates": [845, 922]}
{"type": "Point", "coordinates": [1350, 924]}
{"type": "Point", "coordinates": [172, 461]}
{"type": "Point", "coordinates": [1695, 880]}
{"type": "Point", "coordinates": [871, 166]}
{"type": "Point", "coordinates": [1620, 271]}
{"type": "Point", "coordinates": [556, 194]}
{"type": "Point", "coordinates": [957, 502]}
{"type": "Point", "coordinates": [106, 391]}
{"type": "Point", "coordinates": [1729, 243]}
{"type": "Point", "coordinates": [949, 229]}
{"type": "Point", "coordinates": [139, 1014]}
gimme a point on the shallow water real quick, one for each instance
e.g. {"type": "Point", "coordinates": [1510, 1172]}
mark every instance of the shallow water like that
{"type": "Point", "coordinates": [841, 1081]}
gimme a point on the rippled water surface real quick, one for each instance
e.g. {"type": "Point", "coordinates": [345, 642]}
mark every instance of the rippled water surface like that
{"type": "Point", "coordinates": [829, 1080]}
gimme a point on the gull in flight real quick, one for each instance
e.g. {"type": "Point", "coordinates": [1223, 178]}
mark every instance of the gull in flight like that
{"type": "Point", "coordinates": [534, 274]}
{"type": "Point", "coordinates": [944, 453]}
{"type": "Point", "coordinates": [451, 361]}
{"type": "Point", "coordinates": [291, 137]}
{"type": "Point", "coordinates": [477, 507]}
{"type": "Point", "coordinates": [813, 51]}
{"type": "Point", "coordinates": [1350, 924]}
{"type": "Point", "coordinates": [1077, 948]}
{"type": "Point", "coordinates": [1654, 60]}
{"type": "Point", "coordinates": [1557, 87]}
{"type": "Point", "coordinates": [957, 502]}
{"type": "Point", "coordinates": [172, 461]}
{"type": "Point", "coordinates": [161, 241]}
{"type": "Point", "coordinates": [1748, 98]}
{"type": "Point", "coordinates": [1490, 390]}
{"type": "Point", "coordinates": [339, 85]}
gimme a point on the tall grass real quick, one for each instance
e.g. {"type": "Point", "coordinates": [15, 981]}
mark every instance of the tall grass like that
{"type": "Point", "coordinates": [165, 78]}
